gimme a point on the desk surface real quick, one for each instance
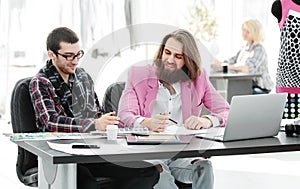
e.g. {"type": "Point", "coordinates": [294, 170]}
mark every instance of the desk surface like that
{"type": "Point", "coordinates": [197, 147]}
{"type": "Point", "coordinates": [230, 75]}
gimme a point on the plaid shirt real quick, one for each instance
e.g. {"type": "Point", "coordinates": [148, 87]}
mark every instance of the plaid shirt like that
{"type": "Point", "coordinates": [50, 113]}
{"type": "Point", "coordinates": [258, 64]}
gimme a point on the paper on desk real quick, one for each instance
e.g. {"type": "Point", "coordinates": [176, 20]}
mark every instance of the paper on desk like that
{"type": "Point", "coordinates": [181, 130]}
{"type": "Point", "coordinates": [67, 148]}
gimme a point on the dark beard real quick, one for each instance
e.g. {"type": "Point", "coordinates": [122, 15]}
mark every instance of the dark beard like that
{"type": "Point", "coordinates": [172, 77]}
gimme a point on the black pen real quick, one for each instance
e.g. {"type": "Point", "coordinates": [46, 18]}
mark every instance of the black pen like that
{"type": "Point", "coordinates": [124, 124]}
{"type": "Point", "coordinates": [85, 146]}
{"type": "Point", "coordinates": [173, 120]}
{"type": "Point", "coordinates": [139, 134]}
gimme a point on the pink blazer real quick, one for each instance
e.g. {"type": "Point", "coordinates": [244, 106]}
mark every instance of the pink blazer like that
{"type": "Point", "coordinates": [140, 92]}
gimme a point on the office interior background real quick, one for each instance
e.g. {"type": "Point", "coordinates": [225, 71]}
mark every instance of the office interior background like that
{"type": "Point", "coordinates": [25, 24]}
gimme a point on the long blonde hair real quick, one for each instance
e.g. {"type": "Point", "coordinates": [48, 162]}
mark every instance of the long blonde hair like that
{"type": "Point", "coordinates": [255, 29]}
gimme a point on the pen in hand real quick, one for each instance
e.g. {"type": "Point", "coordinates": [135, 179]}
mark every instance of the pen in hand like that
{"type": "Point", "coordinates": [123, 123]}
{"type": "Point", "coordinates": [171, 119]}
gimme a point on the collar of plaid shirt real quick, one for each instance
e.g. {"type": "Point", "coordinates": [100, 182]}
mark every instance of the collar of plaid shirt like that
{"type": "Point", "coordinates": [78, 99]}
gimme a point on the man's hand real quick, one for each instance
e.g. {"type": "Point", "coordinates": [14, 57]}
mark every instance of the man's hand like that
{"type": "Point", "coordinates": [158, 123]}
{"type": "Point", "coordinates": [196, 123]}
{"type": "Point", "coordinates": [106, 119]}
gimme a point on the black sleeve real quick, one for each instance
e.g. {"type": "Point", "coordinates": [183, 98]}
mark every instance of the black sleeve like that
{"type": "Point", "coordinates": [276, 10]}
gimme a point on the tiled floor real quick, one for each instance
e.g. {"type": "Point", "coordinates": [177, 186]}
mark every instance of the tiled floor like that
{"type": "Point", "coordinates": [275, 171]}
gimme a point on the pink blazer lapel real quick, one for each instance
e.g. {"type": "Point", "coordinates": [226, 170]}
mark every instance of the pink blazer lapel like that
{"type": "Point", "coordinates": [186, 94]}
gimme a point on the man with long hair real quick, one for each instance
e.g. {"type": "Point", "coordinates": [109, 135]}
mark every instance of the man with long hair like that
{"type": "Point", "coordinates": [174, 86]}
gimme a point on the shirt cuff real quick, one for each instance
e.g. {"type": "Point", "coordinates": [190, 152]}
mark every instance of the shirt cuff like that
{"type": "Point", "coordinates": [215, 121]}
{"type": "Point", "coordinates": [138, 121]}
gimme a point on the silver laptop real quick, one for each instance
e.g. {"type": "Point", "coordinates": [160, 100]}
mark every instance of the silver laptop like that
{"type": "Point", "coordinates": [251, 116]}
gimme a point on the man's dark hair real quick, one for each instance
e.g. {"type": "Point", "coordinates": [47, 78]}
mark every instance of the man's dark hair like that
{"type": "Point", "coordinates": [61, 34]}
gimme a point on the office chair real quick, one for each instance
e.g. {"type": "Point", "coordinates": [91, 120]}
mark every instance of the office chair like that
{"type": "Point", "coordinates": [112, 97]}
{"type": "Point", "coordinates": [23, 121]}
{"type": "Point", "coordinates": [111, 102]}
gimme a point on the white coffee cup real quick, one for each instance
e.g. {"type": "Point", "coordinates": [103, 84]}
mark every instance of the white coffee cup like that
{"type": "Point", "coordinates": [112, 132]}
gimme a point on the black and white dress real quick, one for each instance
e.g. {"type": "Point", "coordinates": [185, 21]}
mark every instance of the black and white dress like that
{"type": "Point", "coordinates": [288, 70]}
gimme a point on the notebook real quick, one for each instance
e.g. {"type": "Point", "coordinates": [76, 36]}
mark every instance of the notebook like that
{"type": "Point", "coordinates": [251, 116]}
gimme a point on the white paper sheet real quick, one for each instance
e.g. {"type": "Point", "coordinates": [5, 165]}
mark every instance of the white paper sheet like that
{"type": "Point", "coordinates": [105, 147]}
{"type": "Point", "coordinates": [181, 130]}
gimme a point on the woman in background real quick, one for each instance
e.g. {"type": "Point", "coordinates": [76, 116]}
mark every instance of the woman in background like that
{"type": "Point", "coordinates": [251, 58]}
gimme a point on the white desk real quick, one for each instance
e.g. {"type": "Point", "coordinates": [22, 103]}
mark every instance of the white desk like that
{"type": "Point", "coordinates": [58, 170]}
{"type": "Point", "coordinates": [231, 84]}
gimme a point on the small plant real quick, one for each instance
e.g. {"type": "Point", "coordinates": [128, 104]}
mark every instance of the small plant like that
{"type": "Point", "coordinates": [202, 22]}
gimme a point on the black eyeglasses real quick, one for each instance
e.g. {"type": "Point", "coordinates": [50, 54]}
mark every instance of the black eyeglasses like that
{"type": "Point", "coordinates": [71, 57]}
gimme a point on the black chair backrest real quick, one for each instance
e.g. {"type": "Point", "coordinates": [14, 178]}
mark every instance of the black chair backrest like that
{"type": "Point", "coordinates": [23, 121]}
{"type": "Point", "coordinates": [112, 97]}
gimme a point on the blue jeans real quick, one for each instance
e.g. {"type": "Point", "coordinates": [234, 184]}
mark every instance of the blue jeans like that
{"type": "Point", "coordinates": [200, 174]}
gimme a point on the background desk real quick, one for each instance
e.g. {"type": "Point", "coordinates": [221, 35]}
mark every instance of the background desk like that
{"type": "Point", "coordinates": [59, 169]}
{"type": "Point", "coordinates": [231, 84]}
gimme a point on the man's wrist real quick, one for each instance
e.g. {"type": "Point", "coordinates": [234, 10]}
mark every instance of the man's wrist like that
{"type": "Point", "coordinates": [98, 125]}
{"type": "Point", "coordinates": [210, 123]}
{"type": "Point", "coordinates": [214, 121]}
{"type": "Point", "coordinates": [137, 122]}
{"type": "Point", "coordinates": [145, 122]}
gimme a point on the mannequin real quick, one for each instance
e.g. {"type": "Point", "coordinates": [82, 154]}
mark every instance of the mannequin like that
{"type": "Point", "coordinates": [287, 76]}
{"type": "Point", "coordinates": [277, 9]}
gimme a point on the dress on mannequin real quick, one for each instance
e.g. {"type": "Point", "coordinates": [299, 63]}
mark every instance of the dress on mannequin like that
{"type": "Point", "coordinates": [287, 13]}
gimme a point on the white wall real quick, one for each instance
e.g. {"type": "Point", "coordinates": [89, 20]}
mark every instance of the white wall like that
{"type": "Point", "coordinates": [21, 30]}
